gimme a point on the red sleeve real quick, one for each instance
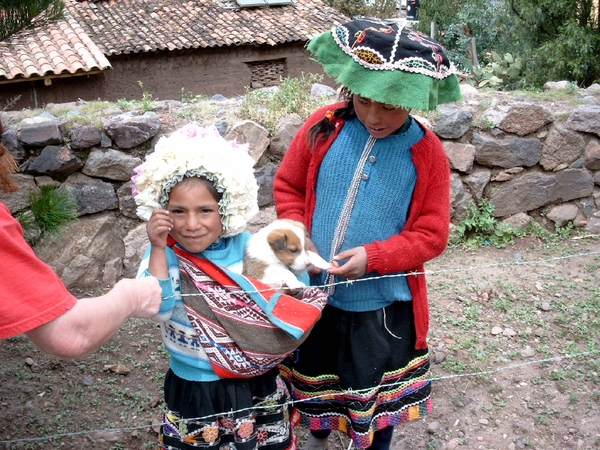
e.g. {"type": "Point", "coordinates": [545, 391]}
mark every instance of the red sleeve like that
{"type": "Point", "coordinates": [31, 294]}
{"type": "Point", "coordinates": [425, 235]}
{"type": "Point", "coordinates": [289, 185]}
{"type": "Point", "coordinates": [295, 180]}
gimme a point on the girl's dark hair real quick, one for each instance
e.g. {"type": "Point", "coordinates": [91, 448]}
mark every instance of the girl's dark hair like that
{"type": "Point", "coordinates": [324, 128]}
{"type": "Point", "coordinates": [210, 185]}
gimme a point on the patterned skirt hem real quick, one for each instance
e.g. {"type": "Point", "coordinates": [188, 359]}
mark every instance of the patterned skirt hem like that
{"type": "Point", "coordinates": [402, 396]}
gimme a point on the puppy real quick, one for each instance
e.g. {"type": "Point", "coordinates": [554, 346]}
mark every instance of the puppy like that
{"type": "Point", "coordinates": [277, 253]}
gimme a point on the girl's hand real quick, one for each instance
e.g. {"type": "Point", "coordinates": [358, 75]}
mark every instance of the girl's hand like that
{"type": "Point", "coordinates": [158, 228]}
{"type": "Point", "coordinates": [355, 267]}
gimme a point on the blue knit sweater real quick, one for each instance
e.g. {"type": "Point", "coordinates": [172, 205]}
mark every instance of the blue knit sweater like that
{"type": "Point", "coordinates": [380, 209]}
{"type": "Point", "coordinates": [188, 359]}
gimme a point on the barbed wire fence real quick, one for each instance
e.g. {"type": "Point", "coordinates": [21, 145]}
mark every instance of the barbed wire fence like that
{"type": "Point", "coordinates": [434, 379]}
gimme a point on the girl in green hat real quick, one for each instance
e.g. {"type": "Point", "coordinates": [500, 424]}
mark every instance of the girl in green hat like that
{"type": "Point", "coordinates": [372, 185]}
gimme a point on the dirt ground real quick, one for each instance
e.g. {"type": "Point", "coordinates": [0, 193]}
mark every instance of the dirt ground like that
{"type": "Point", "coordinates": [514, 339]}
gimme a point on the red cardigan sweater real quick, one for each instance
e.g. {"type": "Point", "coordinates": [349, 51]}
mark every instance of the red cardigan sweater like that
{"type": "Point", "coordinates": [425, 234]}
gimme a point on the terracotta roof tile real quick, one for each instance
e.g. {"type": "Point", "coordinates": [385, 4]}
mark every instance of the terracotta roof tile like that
{"type": "Point", "coordinates": [133, 26]}
{"type": "Point", "coordinates": [93, 31]}
{"type": "Point", "coordinates": [59, 47]}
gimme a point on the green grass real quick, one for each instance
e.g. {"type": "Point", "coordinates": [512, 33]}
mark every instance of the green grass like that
{"type": "Point", "coordinates": [292, 97]}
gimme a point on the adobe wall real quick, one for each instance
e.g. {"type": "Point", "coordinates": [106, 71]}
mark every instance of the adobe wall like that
{"type": "Point", "coordinates": [163, 75]}
{"type": "Point", "coordinates": [35, 94]}
{"type": "Point", "coordinates": [208, 72]}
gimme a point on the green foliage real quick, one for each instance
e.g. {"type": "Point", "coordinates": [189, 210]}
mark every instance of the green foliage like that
{"type": "Point", "coordinates": [570, 55]}
{"type": "Point", "coordinates": [484, 123]}
{"type": "Point", "coordinates": [547, 236]}
{"type": "Point", "coordinates": [565, 231]}
{"type": "Point", "coordinates": [555, 39]}
{"type": "Point", "coordinates": [454, 365]}
{"type": "Point", "coordinates": [563, 39]}
{"type": "Point", "coordinates": [147, 100]}
{"type": "Point", "coordinates": [350, 8]}
{"type": "Point", "coordinates": [146, 104]}
{"type": "Point", "coordinates": [502, 71]}
{"type": "Point", "coordinates": [18, 14]}
{"type": "Point", "coordinates": [458, 22]}
{"type": "Point", "coordinates": [445, 13]}
{"type": "Point", "coordinates": [89, 113]}
{"type": "Point", "coordinates": [292, 97]}
{"type": "Point", "coordinates": [480, 227]}
{"type": "Point", "coordinates": [376, 8]}
{"type": "Point", "coordinates": [383, 9]}
{"type": "Point", "coordinates": [123, 103]}
{"type": "Point", "coordinates": [51, 209]}
{"type": "Point", "coordinates": [567, 95]}
{"type": "Point", "coordinates": [189, 97]}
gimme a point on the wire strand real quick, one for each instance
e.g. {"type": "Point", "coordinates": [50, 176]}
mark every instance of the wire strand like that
{"type": "Point", "coordinates": [309, 399]}
{"type": "Point", "coordinates": [429, 272]}
{"type": "Point", "coordinates": [433, 379]}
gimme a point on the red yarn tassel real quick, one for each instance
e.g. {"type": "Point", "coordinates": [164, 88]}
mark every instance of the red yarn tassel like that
{"type": "Point", "coordinates": [8, 166]}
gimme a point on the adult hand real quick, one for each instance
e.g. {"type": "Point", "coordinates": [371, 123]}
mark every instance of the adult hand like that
{"type": "Point", "coordinates": [145, 294]}
{"type": "Point", "coordinates": [354, 267]}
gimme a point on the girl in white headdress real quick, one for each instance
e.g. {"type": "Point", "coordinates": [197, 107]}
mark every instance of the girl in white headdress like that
{"type": "Point", "coordinates": [223, 389]}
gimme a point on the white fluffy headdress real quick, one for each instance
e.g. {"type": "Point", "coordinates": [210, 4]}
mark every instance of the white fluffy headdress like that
{"type": "Point", "coordinates": [203, 152]}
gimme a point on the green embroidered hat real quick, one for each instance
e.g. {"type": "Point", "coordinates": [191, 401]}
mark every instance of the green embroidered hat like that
{"type": "Point", "coordinates": [387, 62]}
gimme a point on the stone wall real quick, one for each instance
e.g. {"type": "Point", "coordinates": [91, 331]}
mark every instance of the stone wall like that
{"type": "Point", "coordinates": [526, 161]}
{"type": "Point", "coordinates": [530, 162]}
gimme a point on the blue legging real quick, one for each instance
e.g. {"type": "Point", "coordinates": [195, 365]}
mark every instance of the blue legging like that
{"type": "Point", "coordinates": [382, 439]}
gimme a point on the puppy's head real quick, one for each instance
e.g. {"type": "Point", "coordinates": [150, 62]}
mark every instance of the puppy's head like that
{"type": "Point", "coordinates": [287, 244]}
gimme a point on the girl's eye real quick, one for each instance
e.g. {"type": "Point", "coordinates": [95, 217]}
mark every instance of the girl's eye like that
{"type": "Point", "coordinates": [207, 211]}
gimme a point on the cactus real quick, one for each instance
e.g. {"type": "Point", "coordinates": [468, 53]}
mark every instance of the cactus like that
{"type": "Point", "coordinates": [500, 72]}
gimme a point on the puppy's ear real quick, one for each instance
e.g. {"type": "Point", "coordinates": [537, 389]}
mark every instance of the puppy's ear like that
{"type": "Point", "coordinates": [278, 240]}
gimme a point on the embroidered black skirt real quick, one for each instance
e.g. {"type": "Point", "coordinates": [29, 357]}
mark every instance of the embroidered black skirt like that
{"type": "Point", "coordinates": [240, 414]}
{"type": "Point", "coordinates": [358, 372]}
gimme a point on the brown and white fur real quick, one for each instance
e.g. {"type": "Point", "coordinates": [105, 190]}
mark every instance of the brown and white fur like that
{"type": "Point", "coordinates": [277, 253]}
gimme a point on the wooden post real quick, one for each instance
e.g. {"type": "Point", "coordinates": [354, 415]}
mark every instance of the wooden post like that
{"type": "Point", "coordinates": [432, 32]}
{"type": "Point", "coordinates": [473, 53]}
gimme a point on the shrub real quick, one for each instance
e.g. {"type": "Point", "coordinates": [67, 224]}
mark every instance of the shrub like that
{"type": "Point", "coordinates": [480, 228]}
{"type": "Point", "coordinates": [51, 209]}
{"type": "Point", "coordinates": [556, 39]}
{"type": "Point", "coordinates": [503, 71]}
{"type": "Point", "coordinates": [292, 97]}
